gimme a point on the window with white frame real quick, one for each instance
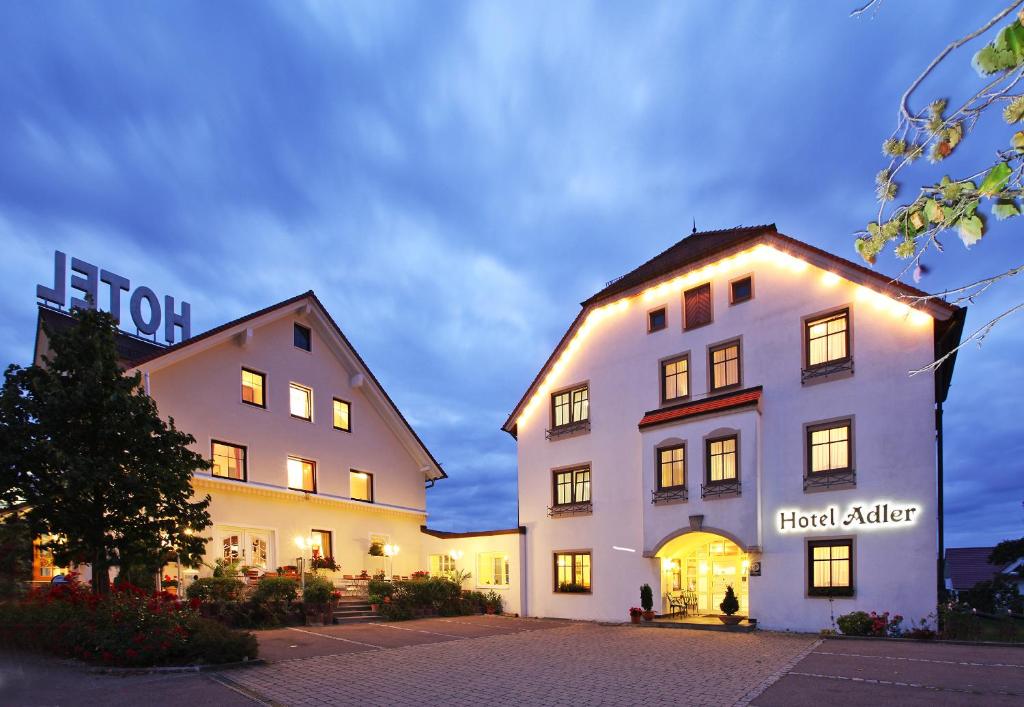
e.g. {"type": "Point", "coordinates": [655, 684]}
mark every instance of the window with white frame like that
{"type": "Point", "coordinates": [441, 565]}
{"type": "Point", "coordinates": [300, 401]}
{"type": "Point", "coordinates": [492, 569]}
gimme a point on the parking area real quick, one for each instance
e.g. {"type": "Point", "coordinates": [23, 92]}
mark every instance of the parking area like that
{"type": "Point", "coordinates": [851, 672]}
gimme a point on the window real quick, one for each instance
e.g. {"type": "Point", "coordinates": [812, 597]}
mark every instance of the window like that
{"type": "Point", "coordinates": [342, 415]}
{"type": "Point", "coordinates": [675, 379]}
{"type": "Point", "coordinates": [300, 401]}
{"type": "Point", "coordinates": [228, 461]}
{"type": "Point", "coordinates": [570, 406]}
{"type": "Point", "coordinates": [697, 306]}
{"type": "Point", "coordinates": [656, 320]}
{"type": "Point", "coordinates": [301, 475]}
{"type": "Point", "coordinates": [441, 565]}
{"type": "Point", "coordinates": [725, 365]}
{"type": "Point", "coordinates": [492, 569]}
{"type": "Point", "coordinates": [722, 459]}
{"type": "Point", "coordinates": [572, 571]}
{"type": "Point", "coordinates": [830, 567]}
{"type": "Point", "coordinates": [828, 339]}
{"type": "Point", "coordinates": [253, 385]}
{"type": "Point", "coordinates": [572, 486]}
{"type": "Point", "coordinates": [303, 338]}
{"type": "Point", "coordinates": [828, 447]}
{"type": "Point", "coordinates": [360, 486]}
{"type": "Point", "coordinates": [741, 290]}
{"type": "Point", "coordinates": [672, 466]}
{"type": "Point", "coordinates": [321, 545]}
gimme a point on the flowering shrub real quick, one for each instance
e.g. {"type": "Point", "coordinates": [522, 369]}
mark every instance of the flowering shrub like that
{"type": "Point", "coordinates": [127, 627]}
{"type": "Point", "coordinates": [635, 612]}
{"type": "Point", "coordinates": [860, 623]}
{"type": "Point", "coordinates": [420, 574]}
{"type": "Point", "coordinates": [324, 563]}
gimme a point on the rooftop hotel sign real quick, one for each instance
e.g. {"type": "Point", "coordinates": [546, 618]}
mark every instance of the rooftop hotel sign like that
{"type": "Point", "coordinates": [86, 278]}
{"type": "Point", "coordinates": [856, 516]}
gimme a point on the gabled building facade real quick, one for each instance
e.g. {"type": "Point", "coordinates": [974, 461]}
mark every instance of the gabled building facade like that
{"type": "Point", "coordinates": [738, 412]}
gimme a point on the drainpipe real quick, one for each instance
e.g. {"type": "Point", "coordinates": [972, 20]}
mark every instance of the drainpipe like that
{"type": "Point", "coordinates": [145, 381]}
{"type": "Point", "coordinates": [941, 560]}
{"type": "Point", "coordinates": [760, 481]}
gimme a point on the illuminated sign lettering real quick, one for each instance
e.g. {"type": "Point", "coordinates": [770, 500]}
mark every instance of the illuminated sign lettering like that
{"type": "Point", "coordinates": [86, 279]}
{"type": "Point", "coordinates": [863, 516]}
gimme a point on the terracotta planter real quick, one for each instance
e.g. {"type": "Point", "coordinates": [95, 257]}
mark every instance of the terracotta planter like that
{"type": "Point", "coordinates": [649, 616]}
{"type": "Point", "coordinates": [635, 618]}
{"type": "Point", "coordinates": [729, 620]}
{"type": "Point", "coordinates": [375, 608]}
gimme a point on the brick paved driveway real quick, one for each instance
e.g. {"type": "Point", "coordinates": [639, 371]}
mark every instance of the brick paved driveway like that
{"type": "Point", "coordinates": [501, 661]}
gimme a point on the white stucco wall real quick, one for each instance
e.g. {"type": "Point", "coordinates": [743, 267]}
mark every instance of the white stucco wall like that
{"type": "Point", "coordinates": [471, 547]}
{"type": "Point", "coordinates": [894, 452]}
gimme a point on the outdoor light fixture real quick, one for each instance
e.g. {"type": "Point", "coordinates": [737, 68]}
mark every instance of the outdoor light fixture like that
{"type": "Point", "coordinates": [456, 555]}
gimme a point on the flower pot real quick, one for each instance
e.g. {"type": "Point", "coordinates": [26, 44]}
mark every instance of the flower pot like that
{"type": "Point", "coordinates": [375, 608]}
{"type": "Point", "coordinates": [648, 616]}
{"type": "Point", "coordinates": [729, 619]}
{"type": "Point", "coordinates": [635, 618]}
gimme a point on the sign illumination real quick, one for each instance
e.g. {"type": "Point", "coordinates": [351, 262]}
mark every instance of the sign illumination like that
{"type": "Point", "coordinates": [862, 516]}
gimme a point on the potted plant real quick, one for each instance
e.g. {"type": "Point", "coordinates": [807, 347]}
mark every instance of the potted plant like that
{"type": "Point", "coordinates": [729, 606]}
{"type": "Point", "coordinates": [376, 549]}
{"type": "Point", "coordinates": [647, 602]}
{"type": "Point", "coordinates": [492, 603]}
{"type": "Point", "coordinates": [635, 612]}
{"type": "Point", "coordinates": [169, 585]}
{"type": "Point", "coordinates": [323, 562]}
{"type": "Point", "coordinates": [375, 602]}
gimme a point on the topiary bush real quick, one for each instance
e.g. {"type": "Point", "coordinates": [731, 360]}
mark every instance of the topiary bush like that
{"type": "Point", "coordinates": [646, 598]}
{"type": "Point", "coordinates": [730, 604]}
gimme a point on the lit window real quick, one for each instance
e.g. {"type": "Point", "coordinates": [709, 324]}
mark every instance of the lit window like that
{"type": "Point", "coordinates": [828, 339]}
{"type": "Point", "coordinates": [570, 406]}
{"type": "Point", "coordinates": [725, 365]}
{"type": "Point", "coordinates": [300, 401]}
{"type": "Point", "coordinates": [830, 567]}
{"type": "Point", "coordinates": [697, 306]}
{"type": "Point", "coordinates": [829, 447]}
{"type": "Point", "coordinates": [360, 486]}
{"type": "Point", "coordinates": [301, 474]}
{"type": "Point", "coordinates": [321, 545]}
{"type": "Point", "coordinates": [253, 385]}
{"type": "Point", "coordinates": [342, 415]}
{"type": "Point", "coordinates": [672, 466]}
{"type": "Point", "coordinates": [441, 565]}
{"type": "Point", "coordinates": [492, 569]}
{"type": "Point", "coordinates": [228, 461]}
{"type": "Point", "coordinates": [722, 459]}
{"type": "Point", "coordinates": [656, 320]}
{"type": "Point", "coordinates": [572, 486]}
{"type": "Point", "coordinates": [303, 338]}
{"type": "Point", "coordinates": [675, 379]}
{"type": "Point", "coordinates": [741, 290]}
{"type": "Point", "coordinates": [572, 572]}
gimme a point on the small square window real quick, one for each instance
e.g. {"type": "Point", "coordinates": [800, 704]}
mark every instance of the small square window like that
{"type": "Point", "coordinates": [830, 567]}
{"type": "Point", "coordinates": [725, 365]}
{"type": "Point", "coordinates": [300, 401]}
{"type": "Point", "coordinates": [253, 387]}
{"type": "Point", "coordinates": [342, 415]}
{"type": "Point", "coordinates": [228, 461]}
{"type": "Point", "coordinates": [657, 320]}
{"type": "Point", "coordinates": [675, 379]}
{"type": "Point", "coordinates": [572, 572]}
{"type": "Point", "coordinates": [827, 339]}
{"type": "Point", "coordinates": [741, 290]}
{"type": "Point", "coordinates": [301, 475]}
{"type": "Point", "coordinates": [360, 486]}
{"type": "Point", "coordinates": [303, 338]}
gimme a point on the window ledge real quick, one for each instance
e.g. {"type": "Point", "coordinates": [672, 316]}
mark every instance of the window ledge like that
{"type": "Point", "coordinates": [678, 494]}
{"type": "Point", "coordinates": [720, 489]}
{"type": "Point", "coordinates": [827, 372]}
{"type": "Point", "coordinates": [570, 430]}
{"type": "Point", "coordinates": [571, 509]}
{"type": "Point", "coordinates": [830, 480]}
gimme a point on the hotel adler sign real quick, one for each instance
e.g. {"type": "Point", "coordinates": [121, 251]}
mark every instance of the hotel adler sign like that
{"type": "Point", "coordinates": [147, 311]}
{"type": "Point", "coordinates": [857, 516]}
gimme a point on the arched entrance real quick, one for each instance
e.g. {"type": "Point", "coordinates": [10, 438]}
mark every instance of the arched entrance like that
{"type": "Point", "coordinates": [700, 565]}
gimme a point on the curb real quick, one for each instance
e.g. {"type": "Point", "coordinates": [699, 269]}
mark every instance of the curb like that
{"type": "Point", "coordinates": [171, 669]}
{"type": "Point", "coordinates": [932, 641]}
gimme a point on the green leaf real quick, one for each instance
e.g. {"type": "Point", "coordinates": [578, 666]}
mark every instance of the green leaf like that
{"type": "Point", "coordinates": [1005, 52]}
{"type": "Point", "coordinates": [933, 211]}
{"type": "Point", "coordinates": [971, 229]}
{"type": "Point", "coordinates": [996, 179]}
{"type": "Point", "coordinates": [1005, 208]}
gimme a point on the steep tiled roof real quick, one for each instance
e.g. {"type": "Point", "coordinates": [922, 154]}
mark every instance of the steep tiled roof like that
{"type": "Point", "coordinates": [966, 566]}
{"type": "Point", "coordinates": [718, 403]}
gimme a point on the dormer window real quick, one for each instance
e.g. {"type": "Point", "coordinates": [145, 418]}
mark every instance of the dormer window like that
{"type": "Point", "coordinates": [303, 337]}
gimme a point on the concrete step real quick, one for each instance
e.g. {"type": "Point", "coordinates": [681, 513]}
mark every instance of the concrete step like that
{"type": "Point", "coordinates": [360, 619]}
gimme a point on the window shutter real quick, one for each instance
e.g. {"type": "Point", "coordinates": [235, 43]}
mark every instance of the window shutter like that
{"type": "Point", "coordinates": [698, 306]}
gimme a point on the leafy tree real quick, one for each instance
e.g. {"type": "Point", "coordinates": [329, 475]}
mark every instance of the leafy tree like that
{"type": "Point", "coordinates": [1007, 551]}
{"type": "Point", "coordinates": [993, 185]}
{"type": "Point", "coordinates": [15, 555]}
{"type": "Point", "coordinates": [84, 448]}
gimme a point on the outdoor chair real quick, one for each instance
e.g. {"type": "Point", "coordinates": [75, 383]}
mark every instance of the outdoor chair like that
{"type": "Point", "coordinates": [689, 598]}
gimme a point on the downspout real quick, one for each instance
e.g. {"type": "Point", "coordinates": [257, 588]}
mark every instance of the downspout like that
{"type": "Point", "coordinates": [145, 381]}
{"type": "Point", "coordinates": [760, 479]}
{"type": "Point", "coordinates": [941, 560]}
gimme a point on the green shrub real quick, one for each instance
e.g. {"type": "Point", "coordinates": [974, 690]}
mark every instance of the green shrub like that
{"type": "Point", "coordinates": [212, 642]}
{"type": "Point", "coordinates": [276, 589]}
{"type": "Point", "coordinates": [646, 598]}
{"type": "Point", "coordinates": [318, 591]}
{"type": "Point", "coordinates": [494, 602]}
{"type": "Point", "coordinates": [856, 623]}
{"type": "Point", "coordinates": [380, 587]}
{"type": "Point", "coordinates": [215, 589]}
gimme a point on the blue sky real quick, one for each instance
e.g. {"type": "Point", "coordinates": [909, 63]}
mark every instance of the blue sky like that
{"type": "Point", "coordinates": [453, 179]}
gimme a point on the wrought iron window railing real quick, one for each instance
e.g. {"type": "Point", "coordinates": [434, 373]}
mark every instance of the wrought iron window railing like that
{"type": "Point", "coordinates": [571, 509]}
{"type": "Point", "coordinates": [827, 369]}
{"type": "Point", "coordinates": [718, 489]}
{"type": "Point", "coordinates": [571, 428]}
{"type": "Point", "coordinates": [827, 479]}
{"type": "Point", "coordinates": [677, 493]}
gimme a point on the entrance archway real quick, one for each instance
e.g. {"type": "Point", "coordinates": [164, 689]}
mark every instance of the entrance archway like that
{"type": "Point", "coordinates": [700, 565]}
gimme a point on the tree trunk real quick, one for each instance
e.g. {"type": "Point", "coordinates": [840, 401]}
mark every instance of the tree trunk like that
{"type": "Point", "coordinates": [100, 574]}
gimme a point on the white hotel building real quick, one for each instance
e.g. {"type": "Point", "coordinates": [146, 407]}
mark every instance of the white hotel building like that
{"type": "Point", "coordinates": [738, 411]}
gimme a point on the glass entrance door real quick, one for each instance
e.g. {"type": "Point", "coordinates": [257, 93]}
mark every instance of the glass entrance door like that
{"type": "Point", "coordinates": [710, 567]}
{"type": "Point", "coordinates": [245, 546]}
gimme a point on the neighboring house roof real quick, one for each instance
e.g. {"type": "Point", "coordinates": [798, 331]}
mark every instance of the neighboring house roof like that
{"type": "Point", "coordinates": [703, 247]}
{"type": "Point", "coordinates": [695, 408]}
{"type": "Point", "coordinates": [966, 566]}
{"type": "Point", "coordinates": [130, 348]}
